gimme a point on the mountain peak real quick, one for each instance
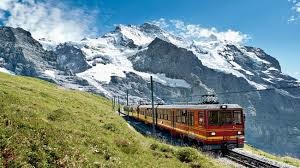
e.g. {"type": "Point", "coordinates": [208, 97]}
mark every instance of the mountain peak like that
{"type": "Point", "coordinates": [150, 28]}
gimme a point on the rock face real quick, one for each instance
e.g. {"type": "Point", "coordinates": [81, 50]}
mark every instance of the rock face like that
{"type": "Point", "coordinates": [70, 59]}
{"type": "Point", "coordinates": [22, 54]}
{"type": "Point", "coordinates": [124, 59]}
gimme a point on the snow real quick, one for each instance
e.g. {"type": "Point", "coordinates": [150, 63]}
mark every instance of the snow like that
{"type": "Point", "coordinates": [120, 65]}
{"type": "Point", "coordinates": [216, 61]}
{"type": "Point", "coordinates": [133, 33]}
{"type": "Point", "coordinates": [253, 56]}
{"type": "Point", "coordinates": [102, 73]}
{"type": "Point", "coordinates": [272, 69]}
{"type": "Point", "coordinates": [108, 47]}
{"type": "Point", "coordinates": [94, 83]}
{"type": "Point", "coordinates": [257, 85]}
{"type": "Point", "coordinates": [6, 71]}
{"type": "Point", "coordinates": [268, 80]}
{"type": "Point", "coordinates": [50, 73]}
{"type": "Point", "coordinates": [161, 78]}
{"type": "Point", "coordinates": [48, 45]}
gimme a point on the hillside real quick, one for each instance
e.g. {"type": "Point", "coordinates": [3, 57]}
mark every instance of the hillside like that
{"type": "Point", "coordinates": [43, 125]}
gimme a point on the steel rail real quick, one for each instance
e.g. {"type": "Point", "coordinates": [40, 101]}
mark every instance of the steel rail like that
{"type": "Point", "coordinates": [247, 161]}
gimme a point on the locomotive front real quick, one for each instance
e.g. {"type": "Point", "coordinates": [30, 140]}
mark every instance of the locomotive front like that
{"type": "Point", "coordinates": [224, 127]}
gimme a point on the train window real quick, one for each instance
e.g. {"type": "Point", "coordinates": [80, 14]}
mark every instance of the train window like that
{"type": "Point", "coordinates": [165, 114]}
{"type": "Point", "coordinates": [237, 117]}
{"type": "Point", "coordinates": [158, 113]}
{"type": "Point", "coordinates": [191, 118]}
{"type": "Point", "coordinates": [183, 116]}
{"type": "Point", "coordinates": [201, 118]}
{"type": "Point", "coordinates": [225, 117]}
{"type": "Point", "coordinates": [213, 118]}
{"type": "Point", "coordinates": [142, 111]}
{"type": "Point", "coordinates": [178, 116]}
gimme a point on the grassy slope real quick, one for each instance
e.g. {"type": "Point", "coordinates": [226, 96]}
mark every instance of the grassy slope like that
{"type": "Point", "coordinates": [286, 159]}
{"type": "Point", "coordinates": [43, 125]}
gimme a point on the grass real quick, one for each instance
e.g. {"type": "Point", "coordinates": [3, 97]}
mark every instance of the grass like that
{"type": "Point", "coordinates": [43, 125]}
{"type": "Point", "coordinates": [285, 159]}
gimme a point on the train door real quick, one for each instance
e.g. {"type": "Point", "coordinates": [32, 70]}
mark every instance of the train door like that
{"type": "Point", "coordinates": [173, 118]}
{"type": "Point", "coordinates": [190, 121]}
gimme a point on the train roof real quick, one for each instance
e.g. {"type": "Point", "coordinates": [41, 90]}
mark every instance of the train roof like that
{"type": "Point", "coordinates": [198, 106]}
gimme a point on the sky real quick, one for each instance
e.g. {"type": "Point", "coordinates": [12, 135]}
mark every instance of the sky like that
{"type": "Point", "coordinates": [273, 25]}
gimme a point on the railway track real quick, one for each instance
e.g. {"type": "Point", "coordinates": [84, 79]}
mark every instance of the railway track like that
{"type": "Point", "coordinates": [247, 161]}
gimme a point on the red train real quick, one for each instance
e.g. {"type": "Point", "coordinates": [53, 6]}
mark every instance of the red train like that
{"type": "Point", "coordinates": [213, 126]}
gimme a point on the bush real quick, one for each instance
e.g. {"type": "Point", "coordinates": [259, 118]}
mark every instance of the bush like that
{"type": "Point", "coordinates": [161, 147]}
{"type": "Point", "coordinates": [186, 155]}
{"type": "Point", "coordinates": [154, 146]}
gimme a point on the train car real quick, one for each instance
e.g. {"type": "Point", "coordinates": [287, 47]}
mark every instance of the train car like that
{"type": "Point", "coordinates": [212, 126]}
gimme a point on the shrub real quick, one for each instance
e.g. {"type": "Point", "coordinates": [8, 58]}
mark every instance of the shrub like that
{"type": "Point", "coordinates": [154, 146]}
{"type": "Point", "coordinates": [186, 155]}
{"type": "Point", "coordinates": [161, 147]}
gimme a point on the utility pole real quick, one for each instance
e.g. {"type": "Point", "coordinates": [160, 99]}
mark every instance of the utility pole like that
{"type": "Point", "coordinates": [127, 98]}
{"type": "Point", "coordinates": [119, 110]}
{"type": "Point", "coordinates": [127, 102]}
{"type": "Point", "coordinates": [114, 104]}
{"type": "Point", "coordinates": [153, 113]}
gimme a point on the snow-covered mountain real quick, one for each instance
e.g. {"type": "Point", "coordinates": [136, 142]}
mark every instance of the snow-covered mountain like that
{"type": "Point", "coordinates": [125, 58]}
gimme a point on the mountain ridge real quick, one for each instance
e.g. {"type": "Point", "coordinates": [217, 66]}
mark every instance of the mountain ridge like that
{"type": "Point", "coordinates": [125, 58]}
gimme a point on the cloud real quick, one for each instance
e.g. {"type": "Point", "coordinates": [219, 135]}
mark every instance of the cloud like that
{"type": "Point", "coordinates": [296, 10]}
{"type": "Point", "coordinates": [52, 19]}
{"type": "Point", "coordinates": [161, 23]}
{"type": "Point", "coordinates": [297, 7]}
{"type": "Point", "coordinates": [196, 32]}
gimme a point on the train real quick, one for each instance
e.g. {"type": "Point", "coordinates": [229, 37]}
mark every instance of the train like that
{"type": "Point", "coordinates": [211, 126]}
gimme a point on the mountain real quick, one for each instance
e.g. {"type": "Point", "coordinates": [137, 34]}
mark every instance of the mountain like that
{"type": "Point", "coordinates": [183, 69]}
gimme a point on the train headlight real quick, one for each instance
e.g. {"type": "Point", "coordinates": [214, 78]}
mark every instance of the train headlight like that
{"type": "Point", "coordinates": [213, 133]}
{"type": "Point", "coordinates": [239, 132]}
{"type": "Point", "coordinates": [223, 107]}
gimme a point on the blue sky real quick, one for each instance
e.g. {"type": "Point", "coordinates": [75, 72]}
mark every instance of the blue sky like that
{"type": "Point", "coordinates": [265, 21]}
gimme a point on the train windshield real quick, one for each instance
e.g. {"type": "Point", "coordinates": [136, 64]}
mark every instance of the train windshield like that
{"type": "Point", "coordinates": [224, 117]}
